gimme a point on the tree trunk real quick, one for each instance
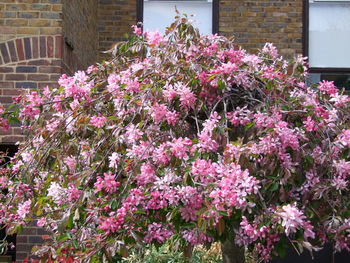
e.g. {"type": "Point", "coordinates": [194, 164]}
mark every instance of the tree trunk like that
{"type": "Point", "coordinates": [188, 250]}
{"type": "Point", "coordinates": [231, 253]}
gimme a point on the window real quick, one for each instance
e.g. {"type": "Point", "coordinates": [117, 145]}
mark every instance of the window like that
{"type": "Point", "coordinates": [158, 14]}
{"type": "Point", "coordinates": [327, 38]}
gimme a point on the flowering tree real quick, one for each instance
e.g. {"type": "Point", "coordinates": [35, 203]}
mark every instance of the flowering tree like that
{"type": "Point", "coordinates": [186, 138]}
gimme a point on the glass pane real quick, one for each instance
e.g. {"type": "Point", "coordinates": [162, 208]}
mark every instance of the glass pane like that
{"type": "Point", "coordinates": [160, 14]}
{"type": "Point", "coordinates": [340, 80]}
{"type": "Point", "coordinates": [329, 35]}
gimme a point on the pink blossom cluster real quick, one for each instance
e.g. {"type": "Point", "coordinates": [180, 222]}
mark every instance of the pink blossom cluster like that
{"type": "Point", "coordinates": [106, 183]}
{"type": "Point", "coordinates": [158, 233]}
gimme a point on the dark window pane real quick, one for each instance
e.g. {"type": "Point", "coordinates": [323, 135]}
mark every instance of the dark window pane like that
{"type": "Point", "coordinates": [340, 80]}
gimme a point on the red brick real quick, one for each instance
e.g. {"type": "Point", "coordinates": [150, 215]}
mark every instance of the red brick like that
{"type": "Point", "coordinates": [35, 47]}
{"type": "Point", "coordinates": [21, 239]}
{"type": "Point", "coordinates": [7, 85]}
{"type": "Point", "coordinates": [29, 231]}
{"type": "Point", "coordinates": [38, 77]}
{"type": "Point", "coordinates": [57, 63]}
{"type": "Point", "coordinates": [6, 69]}
{"type": "Point", "coordinates": [27, 48]}
{"type": "Point", "coordinates": [4, 132]}
{"type": "Point", "coordinates": [15, 77]}
{"type": "Point", "coordinates": [43, 47]}
{"type": "Point", "coordinates": [11, 92]}
{"type": "Point", "coordinates": [58, 46]}
{"type": "Point", "coordinates": [12, 49]}
{"type": "Point", "coordinates": [20, 51]}
{"type": "Point", "coordinates": [4, 53]}
{"type": "Point", "coordinates": [50, 47]}
{"type": "Point", "coordinates": [6, 100]}
{"type": "Point", "coordinates": [55, 77]}
{"type": "Point", "coordinates": [38, 62]}
{"type": "Point", "coordinates": [50, 69]}
{"type": "Point", "coordinates": [7, 30]}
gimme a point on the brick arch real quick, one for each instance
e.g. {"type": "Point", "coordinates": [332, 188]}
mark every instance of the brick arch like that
{"type": "Point", "coordinates": [31, 48]}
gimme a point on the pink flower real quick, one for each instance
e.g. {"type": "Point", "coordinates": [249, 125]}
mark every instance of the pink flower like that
{"type": "Point", "coordinates": [57, 193]}
{"type": "Point", "coordinates": [310, 125]}
{"type": "Point", "coordinates": [344, 138]}
{"type": "Point", "coordinates": [147, 174]}
{"type": "Point", "coordinates": [339, 100]}
{"type": "Point", "coordinates": [196, 237]}
{"type": "Point", "coordinates": [270, 73]}
{"type": "Point", "coordinates": [132, 134]}
{"type": "Point", "coordinates": [133, 85]}
{"type": "Point", "coordinates": [41, 222]}
{"type": "Point", "coordinates": [113, 160]}
{"type": "Point", "coordinates": [109, 224]}
{"type": "Point", "coordinates": [113, 83]}
{"type": "Point", "coordinates": [97, 121]}
{"type": "Point", "coordinates": [71, 162]}
{"type": "Point", "coordinates": [24, 208]}
{"type": "Point", "coordinates": [137, 30]}
{"type": "Point", "coordinates": [3, 181]}
{"type": "Point", "coordinates": [154, 38]}
{"type": "Point", "coordinates": [172, 117]}
{"type": "Point", "coordinates": [180, 147]}
{"type": "Point", "coordinates": [107, 183]}
{"type": "Point", "coordinates": [161, 155]}
{"type": "Point", "coordinates": [342, 167]}
{"type": "Point", "coordinates": [206, 143]}
{"type": "Point", "coordinates": [159, 112]}
{"type": "Point", "coordinates": [293, 219]}
{"type": "Point", "coordinates": [203, 170]}
{"type": "Point", "coordinates": [91, 69]}
{"type": "Point", "coordinates": [187, 97]}
{"type": "Point", "coordinates": [158, 233]}
{"type": "Point", "coordinates": [169, 92]}
{"type": "Point", "coordinates": [252, 60]}
{"type": "Point", "coordinates": [270, 50]}
{"type": "Point", "coordinates": [327, 87]}
{"type": "Point", "coordinates": [52, 125]}
{"type": "Point", "coordinates": [30, 111]}
{"type": "Point", "coordinates": [73, 192]}
{"type": "Point", "coordinates": [188, 214]}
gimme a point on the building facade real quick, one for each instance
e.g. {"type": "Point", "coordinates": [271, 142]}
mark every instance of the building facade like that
{"type": "Point", "coordinates": [42, 39]}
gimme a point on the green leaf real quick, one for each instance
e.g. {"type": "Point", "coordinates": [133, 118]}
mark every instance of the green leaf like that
{"type": "Point", "coordinates": [221, 85]}
{"type": "Point", "coordinates": [274, 187]}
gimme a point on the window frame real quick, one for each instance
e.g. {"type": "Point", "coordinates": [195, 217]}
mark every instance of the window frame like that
{"type": "Point", "coordinates": [306, 16]}
{"type": "Point", "coordinates": [215, 14]}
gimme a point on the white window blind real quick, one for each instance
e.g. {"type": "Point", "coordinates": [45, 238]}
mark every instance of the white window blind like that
{"type": "Point", "coordinates": [158, 14]}
{"type": "Point", "coordinates": [329, 34]}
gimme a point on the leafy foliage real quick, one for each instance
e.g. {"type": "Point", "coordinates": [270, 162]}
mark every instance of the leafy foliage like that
{"type": "Point", "coordinates": [182, 137]}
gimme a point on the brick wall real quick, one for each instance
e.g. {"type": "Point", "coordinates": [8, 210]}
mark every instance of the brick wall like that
{"type": "Point", "coordinates": [31, 51]}
{"type": "Point", "coordinates": [27, 63]}
{"type": "Point", "coordinates": [115, 19]}
{"type": "Point", "coordinates": [21, 18]}
{"type": "Point", "coordinates": [254, 23]}
{"type": "Point", "coordinates": [30, 237]}
{"type": "Point", "coordinates": [80, 33]}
